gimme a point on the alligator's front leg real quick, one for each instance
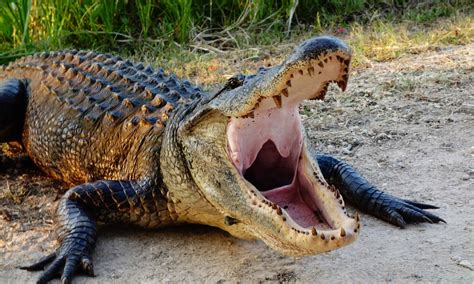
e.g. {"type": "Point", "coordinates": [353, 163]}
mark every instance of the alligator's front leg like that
{"type": "Point", "coordinates": [366, 197]}
{"type": "Point", "coordinates": [80, 209]}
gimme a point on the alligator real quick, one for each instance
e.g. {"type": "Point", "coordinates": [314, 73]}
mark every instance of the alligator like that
{"type": "Point", "coordinates": [139, 146]}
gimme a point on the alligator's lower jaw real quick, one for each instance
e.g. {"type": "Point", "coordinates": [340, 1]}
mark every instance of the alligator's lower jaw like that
{"type": "Point", "coordinates": [269, 153]}
{"type": "Point", "coordinates": [299, 201]}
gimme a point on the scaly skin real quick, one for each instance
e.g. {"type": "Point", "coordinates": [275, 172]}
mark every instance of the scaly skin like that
{"type": "Point", "coordinates": [145, 148]}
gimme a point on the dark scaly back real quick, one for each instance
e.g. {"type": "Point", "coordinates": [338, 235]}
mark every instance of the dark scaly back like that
{"type": "Point", "coordinates": [93, 116]}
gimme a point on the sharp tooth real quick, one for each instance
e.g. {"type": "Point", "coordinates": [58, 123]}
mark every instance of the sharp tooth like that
{"type": "Point", "coordinates": [323, 91]}
{"type": "Point", "coordinates": [311, 71]}
{"type": "Point", "coordinates": [323, 237]}
{"type": "Point", "coordinates": [343, 232]}
{"type": "Point", "coordinates": [345, 77]}
{"type": "Point", "coordinates": [251, 115]}
{"type": "Point", "coordinates": [279, 212]}
{"type": "Point", "coordinates": [288, 83]}
{"type": "Point", "coordinates": [321, 64]}
{"type": "Point", "coordinates": [285, 92]}
{"type": "Point", "coordinates": [313, 231]}
{"type": "Point", "coordinates": [357, 217]}
{"type": "Point", "coordinates": [300, 71]}
{"type": "Point", "coordinates": [277, 100]}
{"type": "Point", "coordinates": [342, 85]}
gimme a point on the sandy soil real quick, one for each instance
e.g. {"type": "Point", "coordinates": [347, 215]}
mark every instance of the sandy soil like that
{"type": "Point", "coordinates": [408, 125]}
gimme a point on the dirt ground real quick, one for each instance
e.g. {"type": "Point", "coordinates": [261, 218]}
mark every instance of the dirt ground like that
{"type": "Point", "coordinates": [408, 125]}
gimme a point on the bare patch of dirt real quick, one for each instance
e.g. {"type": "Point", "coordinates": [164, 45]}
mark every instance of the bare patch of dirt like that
{"type": "Point", "coordinates": [408, 125]}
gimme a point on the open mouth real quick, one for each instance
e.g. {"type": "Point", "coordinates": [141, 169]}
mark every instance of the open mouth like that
{"type": "Point", "coordinates": [266, 146]}
{"type": "Point", "coordinates": [268, 152]}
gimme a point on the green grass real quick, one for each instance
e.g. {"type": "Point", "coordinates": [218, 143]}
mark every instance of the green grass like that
{"type": "Point", "coordinates": [379, 41]}
{"type": "Point", "coordinates": [212, 26]}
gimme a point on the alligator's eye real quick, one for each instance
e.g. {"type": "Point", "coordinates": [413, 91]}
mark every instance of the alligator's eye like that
{"type": "Point", "coordinates": [234, 82]}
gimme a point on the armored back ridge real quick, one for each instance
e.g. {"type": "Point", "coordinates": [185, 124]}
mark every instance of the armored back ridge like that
{"type": "Point", "coordinates": [142, 147]}
{"type": "Point", "coordinates": [92, 116]}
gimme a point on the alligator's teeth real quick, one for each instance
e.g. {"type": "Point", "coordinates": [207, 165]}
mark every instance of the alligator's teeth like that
{"type": "Point", "coordinates": [345, 77]}
{"type": "Point", "coordinates": [342, 85]}
{"type": "Point", "coordinates": [288, 83]}
{"type": "Point", "coordinates": [285, 92]}
{"type": "Point", "coordinates": [279, 212]}
{"type": "Point", "coordinates": [313, 231]}
{"type": "Point", "coordinates": [343, 232]}
{"type": "Point", "coordinates": [321, 64]}
{"type": "Point", "coordinates": [311, 71]}
{"type": "Point", "coordinates": [251, 115]}
{"type": "Point", "coordinates": [323, 237]}
{"type": "Point", "coordinates": [277, 100]}
{"type": "Point", "coordinates": [357, 217]}
{"type": "Point", "coordinates": [300, 71]}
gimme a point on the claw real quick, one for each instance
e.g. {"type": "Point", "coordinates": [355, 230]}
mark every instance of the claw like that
{"type": "Point", "coordinates": [87, 266]}
{"type": "Point", "coordinates": [427, 220]}
{"type": "Point", "coordinates": [419, 208]}
{"type": "Point", "coordinates": [420, 205]}
{"type": "Point", "coordinates": [40, 264]}
{"type": "Point", "coordinates": [393, 217]}
{"type": "Point", "coordinates": [66, 280]}
{"type": "Point", "coordinates": [52, 271]}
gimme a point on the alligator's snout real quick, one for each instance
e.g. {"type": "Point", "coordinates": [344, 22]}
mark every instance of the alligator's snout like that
{"type": "Point", "coordinates": [306, 74]}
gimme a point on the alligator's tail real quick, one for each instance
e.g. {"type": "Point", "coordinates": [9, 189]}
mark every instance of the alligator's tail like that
{"type": "Point", "coordinates": [13, 101]}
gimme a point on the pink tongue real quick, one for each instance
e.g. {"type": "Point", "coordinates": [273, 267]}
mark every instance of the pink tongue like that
{"type": "Point", "coordinates": [289, 199]}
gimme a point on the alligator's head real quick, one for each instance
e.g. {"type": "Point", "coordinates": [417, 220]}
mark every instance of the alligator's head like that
{"type": "Point", "coordinates": [246, 152]}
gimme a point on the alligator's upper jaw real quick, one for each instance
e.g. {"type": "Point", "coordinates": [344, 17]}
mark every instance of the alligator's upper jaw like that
{"type": "Point", "coordinates": [267, 148]}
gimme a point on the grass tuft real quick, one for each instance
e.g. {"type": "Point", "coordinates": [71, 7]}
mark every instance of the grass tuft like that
{"type": "Point", "coordinates": [378, 29]}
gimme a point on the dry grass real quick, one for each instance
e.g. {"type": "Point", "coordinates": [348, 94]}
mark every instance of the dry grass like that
{"type": "Point", "coordinates": [383, 41]}
{"type": "Point", "coordinates": [380, 41]}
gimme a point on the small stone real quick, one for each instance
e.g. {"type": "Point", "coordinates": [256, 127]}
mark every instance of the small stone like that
{"type": "Point", "coordinates": [346, 151]}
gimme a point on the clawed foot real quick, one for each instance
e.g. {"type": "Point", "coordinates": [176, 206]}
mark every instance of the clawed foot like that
{"type": "Point", "coordinates": [62, 264]}
{"type": "Point", "coordinates": [400, 212]}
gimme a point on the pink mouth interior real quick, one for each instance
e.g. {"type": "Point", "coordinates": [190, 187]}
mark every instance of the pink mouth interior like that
{"type": "Point", "coordinates": [266, 150]}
